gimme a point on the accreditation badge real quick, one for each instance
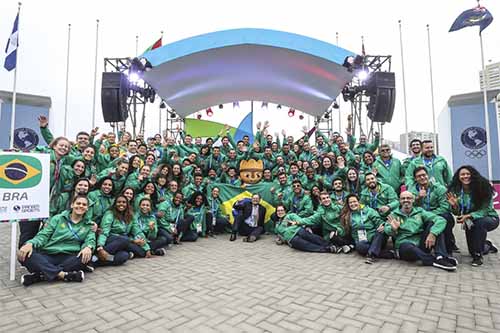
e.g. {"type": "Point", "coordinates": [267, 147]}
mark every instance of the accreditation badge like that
{"type": "Point", "coordinates": [362, 237]}
{"type": "Point", "coordinates": [198, 228]}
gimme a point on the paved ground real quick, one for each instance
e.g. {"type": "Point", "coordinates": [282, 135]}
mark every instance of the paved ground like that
{"type": "Point", "coordinates": [216, 285]}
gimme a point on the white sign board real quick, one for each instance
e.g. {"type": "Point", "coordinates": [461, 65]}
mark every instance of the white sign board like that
{"type": "Point", "coordinates": [24, 186]}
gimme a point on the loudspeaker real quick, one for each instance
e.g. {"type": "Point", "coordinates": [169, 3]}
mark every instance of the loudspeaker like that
{"type": "Point", "coordinates": [114, 93]}
{"type": "Point", "coordinates": [381, 87]}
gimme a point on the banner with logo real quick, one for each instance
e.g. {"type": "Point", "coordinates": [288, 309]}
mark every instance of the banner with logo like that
{"type": "Point", "coordinates": [24, 186]}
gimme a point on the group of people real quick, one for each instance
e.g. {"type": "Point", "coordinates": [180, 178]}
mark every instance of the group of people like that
{"type": "Point", "coordinates": [115, 197]}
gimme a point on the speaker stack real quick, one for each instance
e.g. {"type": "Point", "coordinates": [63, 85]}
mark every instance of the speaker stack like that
{"type": "Point", "coordinates": [114, 93]}
{"type": "Point", "coordinates": [381, 87]}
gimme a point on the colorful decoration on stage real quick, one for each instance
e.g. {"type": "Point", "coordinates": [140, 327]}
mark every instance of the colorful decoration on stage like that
{"type": "Point", "coordinates": [251, 171]}
{"type": "Point", "coordinates": [245, 128]}
{"type": "Point", "coordinates": [476, 16]}
{"type": "Point", "coordinates": [207, 128]}
{"type": "Point", "coordinates": [155, 45]}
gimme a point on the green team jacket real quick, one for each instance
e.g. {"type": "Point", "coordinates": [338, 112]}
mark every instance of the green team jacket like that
{"type": "Point", "coordinates": [110, 225]}
{"type": "Point", "coordinates": [361, 148]}
{"type": "Point", "coordinates": [99, 204]}
{"type": "Point", "coordinates": [134, 182]}
{"type": "Point", "coordinates": [390, 173]}
{"type": "Point", "coordinates": [437, 168]}
{"type": "Point", "coordinates": [413, 225]}
{"type": "Point", "coordinates": [366, 219]}
{"type": "Point", "coordinates": [57, 236]}
{"type": "Point", "coordinates": [300, 205]}
{"type": "Point", "coordinates": [143, 221]}
{"type": "Point", "coordinates": [285, 231]}
{"type": "Point", "coordinates": [199, 214]}
{"type": "Point", "coordinates": [465, 206]}
{"type": "Point", "coordinates": [172, 214]}
{"type": "Point", "coordinates": [435, 201]}
{"type": "Point", "coordinates": [385, 196]}
{"type": "Point", "coordinates": [328, 218]}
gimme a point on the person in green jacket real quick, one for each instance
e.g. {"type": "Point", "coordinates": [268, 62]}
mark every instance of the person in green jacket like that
{"type": "Point", "coordinates": [388, 169]}
{"type": "Point", "coordinates": [432, 197]}
{"type": "Point", "coordinates": [339, 194]}
{"type": "Point", "coordinates": [137, 180]}
{"type": "Point", "coordinates": [437, 167]}
{"type": "Point", "coordinates": [363, 145]}
{"type": "Point", "coordinates": [290, 232]}
{"type": "Point", "coordinates": [378, 196]}
{"type": "Point", "coordinates": [69, 174]}
{"type": "Point", "coordinates": [216, 222]}
{"type": "Point", "coordinates": [366, 228]}
{"type": "Point", "coordinates": [100, 200]}
{"type": "Point", "coordinates": [298, 202]}
{"type": "Point", "coordinates": [148, 191]}
{"type": "Point", "coordinates": [62, 249]}
{"type": "Point", "coordinates": [118, 229]}
{"type": "Point", "coordinates": [63, 202]}
{"type": "Point", "coordinates": [148, 225]}
{"type": "Point", "coordinates": [198, 212]}
{"type": "Point", "coordinates": [327, 216]}
{"type": "Point", "coordinates": [471, 199]}
{"type": "Point", "coordinates": [416, 232]}
{"type": "Point", "coordinates": [118, 175]}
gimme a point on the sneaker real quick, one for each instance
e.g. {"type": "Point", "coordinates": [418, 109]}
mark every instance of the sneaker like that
{"type": "Point", "coordinates": [334, 249]}
{"type": "Point", "coordinates": [370, 260]}
{"type": "Point", "coordinates": [131, 255]}
{"type": "Point", "coordinates": [452, 260]}
{"type": "Point", "coordinates": [443, 263]}
{"type": "Point", "coordinates": [233, 237]}
{"type": "Point", "coordinates": [88, 269]}
{"type": "Point", "coordinates": [346, 249]}
{"type": "Point", "coordinates": [477, 261]}
{"type": "Point", "coordinates": [493, 248]}
{"type": "Point", "coordinates": [251, 239]}
{"type": "Point", "coordinates": [75, 276]}
{"type": "Point", "coordinates": [278, 241]}
{"type": "Point", "coordinates": [160, 252]}
{"type": "Point", "coordinates": [30, 278]}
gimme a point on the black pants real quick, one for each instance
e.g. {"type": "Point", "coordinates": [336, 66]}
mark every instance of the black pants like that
{"type": "Point", "coordinates": [340, 241]}
{"type": "Point", "coordinates": [116, 246]}
{"type": "Point", "coordinates": [220, 224]}
{"type": "Point", "coordinates": [449, 237]}
{"type": "Point", "coordinates": [154, 244]}
{"type": "Point", "coordinates": [167, 235]}
{"type": "Point", "coordinates": [476, 236]}
{"type": "Point", "coordinates": [373, 248]}
{"type": "Point", "coordinates": [50, 265]}
{"type": "Point", "coordinates": [244, 229]}
{"type": "Point", "coordinates": [411, 252]}
{"type": "Point", "coordinates": [28, 230]}
{"type": "Point", "coordinates": [309, 242]}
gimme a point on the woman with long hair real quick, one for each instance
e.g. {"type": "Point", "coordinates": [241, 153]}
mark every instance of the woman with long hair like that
{"type": "Point", "coordinates": [352, 182]}
{"type": "Point", "coordinates": [471, 199]}
{"type": "Point", "coordinates": [215, 220]}
{"type": "Point", "coordinates": [81, 187]}
{"type": "Point", "coordinates": [118, 228]}
{"type": "Point", "coordinates": [198, 211]}
{"type": "Point", "coordinates": [177, 174]}
{"type": "Point", "coordinates": [62, 249]}
{"type": "Point", "coordinates": [100, 199]}
{"type": "Point", "coordinates": [153, 243]}
{"type": "Point", "coordinates": [147, 191]}
{"type": "Point", "coordinates": [365, 226]}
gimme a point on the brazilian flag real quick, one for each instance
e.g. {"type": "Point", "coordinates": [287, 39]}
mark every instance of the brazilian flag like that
{"type": "Point", "coordinates": [229, 194]}
{"type": "Point", "coordinates": [18, 171]}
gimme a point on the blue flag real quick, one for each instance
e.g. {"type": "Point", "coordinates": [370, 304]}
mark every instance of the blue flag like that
{"type": "Point", "coordinates": [11, 48]}
{"type": "Point", "coordinates": [476, 16]}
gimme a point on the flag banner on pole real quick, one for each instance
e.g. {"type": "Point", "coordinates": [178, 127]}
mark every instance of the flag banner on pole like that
{"type": "Point", "coordinates": [155, 45]}
{"type": "Point", "coordinates": [11, 48]}
{"type": "Point", "coordinates": [476, 16]}
{"type": "Point", "coordinates": [229, 194]}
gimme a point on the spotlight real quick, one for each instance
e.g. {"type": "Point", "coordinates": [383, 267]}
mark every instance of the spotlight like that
{"type": "Point", "coordinates": [133, 77]}
{"type": "Point", "coordinates": [279, 106]}
{"type": "Point", "coordinates": [163, 105]}
{"type": "Point", "coordinates": [172, 115]}
{"type": "Point", "coordinates": [236, 105]}
{"type": "Point", "coordinates": [301, 117]}
{"type": "Point", "coordinates": [221, 106]}
{"type": "Point", "coordinates": [326, 116]}
{"type": "Point", "coordinates": [362, 75]}
{"type": "Point", "coordinates": [198, 116]}
{"type": "Point", "coordinates": [291, 112]}
{"type": "Point", "coordinates": [209, 112]}
{"type": "Point", "coordinates": [335, 105]}
{"type": "Point", "coordinates": [264, 105]}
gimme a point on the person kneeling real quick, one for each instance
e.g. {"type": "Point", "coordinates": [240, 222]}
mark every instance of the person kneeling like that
{"type": "Point", "coordinates": [153, 244]}
{"type": "Point", "coordinates": [417, 232]}
{"type": "Point", "coordinates": [62, 249]}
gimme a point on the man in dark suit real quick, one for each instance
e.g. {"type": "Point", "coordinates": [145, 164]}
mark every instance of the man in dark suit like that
{"type": "Point", "coordinates": [249, 221]}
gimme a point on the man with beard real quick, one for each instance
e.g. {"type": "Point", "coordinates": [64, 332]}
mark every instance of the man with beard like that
{"type": "Point", "coordinates": [415, 150]}
{"type": "Point", "coordinates": [338, 195]}
{"type": "Point", "coordinates": [437, 167]}
{"type": "Point", "coordinates": [417, 232]}
{"type": "Point", "coordinates": [298, 203]}
{"type": "Point", "coordinates": [379, 196]}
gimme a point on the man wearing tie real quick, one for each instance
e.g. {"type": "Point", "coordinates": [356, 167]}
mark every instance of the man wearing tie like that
{"type": "Point", "coordinates": [250, 219]}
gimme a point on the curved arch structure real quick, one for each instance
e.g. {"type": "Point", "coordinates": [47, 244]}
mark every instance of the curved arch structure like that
{"type": "Point", "coordinates": [248, 64]}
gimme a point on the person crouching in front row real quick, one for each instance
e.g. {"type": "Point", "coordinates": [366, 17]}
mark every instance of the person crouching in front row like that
{"type": "Point", "coordinates": [250, 220]}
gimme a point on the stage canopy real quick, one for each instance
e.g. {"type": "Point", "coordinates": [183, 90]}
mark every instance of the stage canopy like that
{"type": "Point", "coordinates": [248, 64]}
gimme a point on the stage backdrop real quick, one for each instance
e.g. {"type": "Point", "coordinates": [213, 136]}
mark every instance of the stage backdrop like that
{"type": "Point", "coordinates": [26, 131]}
{"type": "Point", "coordinates": [462, 134]}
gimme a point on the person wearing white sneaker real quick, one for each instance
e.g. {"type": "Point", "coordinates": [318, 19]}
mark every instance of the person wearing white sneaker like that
{"type": "Point", "coordinates": [416, 232]}
{"type": "Point", "coordinates": [62, 249]}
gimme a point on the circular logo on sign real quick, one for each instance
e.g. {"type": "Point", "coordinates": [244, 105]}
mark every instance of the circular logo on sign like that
{"type": "Point", "coordinates": [17, 208]}
{"type": "Point", "coordinates": [474, 137]}
{"type": "Point", "coordinates": [25, 138]}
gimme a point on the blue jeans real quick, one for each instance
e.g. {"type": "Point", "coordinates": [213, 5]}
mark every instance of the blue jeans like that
{"type": "Point", "coordinates": [308, 242]}
{"type": "Point", "coordinates": [374, 247]}
{"type": "Point", "coordinates": [476, 236]}
{"type": "Point", "coordinates": [117, 246]}
{"type": "Point", "coordinates": [52, 264]}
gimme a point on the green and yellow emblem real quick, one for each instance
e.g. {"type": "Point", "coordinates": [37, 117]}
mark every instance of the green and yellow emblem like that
{"type": "Point", "coordinates": [17, 171]}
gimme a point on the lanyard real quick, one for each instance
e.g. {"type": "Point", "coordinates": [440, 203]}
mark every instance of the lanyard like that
{"type": "Point", "coordinates": [70, 227]}
{"type": "Point", "coordinates": [373, 200]}
{"type": "Point", "coordinates": [427, 200]}
{"type": "Point", "coordinates": [430, 164]}
{"type": "Point", "coordinates": [463, 207]}
{"type": "Point", "coordinates": [126, 225]}
{"type": "Point", "coordinates": [178, 215]}
{"type": "Point", "coordinates": [388, 163]}
{"type": "Point", "coordinates": [341, 197]}
{"type": "Point", "coordinates": [215, 207]}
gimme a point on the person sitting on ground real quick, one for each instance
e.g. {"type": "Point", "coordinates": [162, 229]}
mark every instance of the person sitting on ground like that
{"type": "Point", "coordinates": [154, 244]}
{"type": "Point", "coordinates": [249, 222]}
{"type": "Point", "coordinates": [62, 249]}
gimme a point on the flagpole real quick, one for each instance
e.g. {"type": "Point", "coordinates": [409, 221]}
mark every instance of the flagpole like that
{"type": "Point", "coordinates": [136, 45]}
{"type": "Point", "coordinates": [432, 92]}
{"type": "Point", "coordinates": [67, 83]}
{"type": "Point", "coordinates": [486, 117]}
{"type": "Point", "coordinates": [404, 86]}
{"type": "Point", "coordinates": [340, 113]}
{"type": "Point", "coordinates": [13, 228]}
{"type": "Point", "coordinates": [95, 71]}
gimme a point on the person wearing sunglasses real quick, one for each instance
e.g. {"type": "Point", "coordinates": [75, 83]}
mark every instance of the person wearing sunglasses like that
{"type": "Point", "coordinates": [388, 168]}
